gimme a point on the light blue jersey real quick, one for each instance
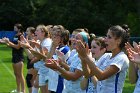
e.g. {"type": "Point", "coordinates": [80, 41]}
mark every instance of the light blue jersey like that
{"type": "Point", "coordinates": [115, 83]}
{"type": "Point", "coordinates": [74, 86]}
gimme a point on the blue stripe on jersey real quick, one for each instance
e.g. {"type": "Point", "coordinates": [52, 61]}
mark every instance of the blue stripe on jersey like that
{"type": "Point", "coordinates": [65, 49]}
{"type": "Point", "coordinates": [88, 84]}
{"type": "Point", "coordinates": [116, 81]}
{"type": "Point", "coordinates": [60, 85]}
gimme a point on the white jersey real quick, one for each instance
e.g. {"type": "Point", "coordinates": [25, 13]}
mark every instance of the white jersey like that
{"type": "Point", "coordinates": [55, 81]}
{"type": "Point", "coordinates": [72, 53]}
{"type": "Point", "coordinates": [91, 88]}
{"type": "Point", "coordinates": [137, 87]}
{"type": "Point", "coordinates": [74, 86]}
{"type": "Point", "coordinates": [47, 42]}
{"type": "Point", "coordinates": [113, 84]}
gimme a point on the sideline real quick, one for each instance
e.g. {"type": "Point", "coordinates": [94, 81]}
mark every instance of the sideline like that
{"type": "Point", "coordinates": [7, 68]}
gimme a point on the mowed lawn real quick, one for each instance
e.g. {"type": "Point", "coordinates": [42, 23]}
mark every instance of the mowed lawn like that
{"type": "Point", "coordinates": [7, 79]}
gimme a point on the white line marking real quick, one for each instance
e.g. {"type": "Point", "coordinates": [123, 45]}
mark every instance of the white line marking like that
{"type": "Point", "coordinates": [7, 68]}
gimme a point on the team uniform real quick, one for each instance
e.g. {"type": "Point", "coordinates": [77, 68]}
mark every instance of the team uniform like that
{"type": "Point", "coordinates": [56, 82]}
{"type": "Point", "coordinates": [137, 87]}
{"type": "Point", "coordinates": [29, 76]}
{"type": "Point", "coordinates": [113, 84]}
{"type": "Point", "coordinates": [74, 86]}
{"type": "Point", "coordinates": [43, 70]}
{"type": "Point", "coordinates": [72, 53]}
{"type": "Point", "coordinates": [17, 54]}
{"type": "Point", "coordinates": [37, 64]}
{"type": "Point", "coordinates": [29, 64]}
{"type": "Point", "coordinates": [91, 88]}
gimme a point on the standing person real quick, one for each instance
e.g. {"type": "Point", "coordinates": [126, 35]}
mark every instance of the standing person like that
{"type": "Point", "coordinates": [112, 73]}
{"type": "Point", "coordinates": [45, 44]}
{"type": "Point", "coordinates": [72, 44]}
{"type": "Point", "coordinates": [98, 48]}
{"type": "Point", "coordinates": [72, 73]}
{"type": "Point", "coordinates": [34, 43]}
{"type": "Point", "coordinates": [30, 35]}
{"type": "Point", "coordinates": [134, 66]}
{"type": "Point", "coordinates": [60, 37]}
{"type": "Point", "coordinates": [17, 58]}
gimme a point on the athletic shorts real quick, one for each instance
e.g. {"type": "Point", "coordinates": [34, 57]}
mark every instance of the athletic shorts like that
{"type": "Point", "coordinates": [17, 58]}
{"type": "Point", "coordinates": [29, 64]}
{"type": "Point", "coordinates": [43, 80]}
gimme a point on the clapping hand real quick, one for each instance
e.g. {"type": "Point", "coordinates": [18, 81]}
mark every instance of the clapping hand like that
{"type": "Point", "coordinates": [24, 43]}
{"type": "Point", "coordinates": [82, 49]}
{"type": "Point", "coordinates": [5, 40]}
{"type": "Point", "coordinates": [133, 52]}
{"type": "Point", "coordinates": [60, 55]}
{"type": "Point", "coordinates": [2, 41]}
{"type": "Point", "coordinates": [53, 64]}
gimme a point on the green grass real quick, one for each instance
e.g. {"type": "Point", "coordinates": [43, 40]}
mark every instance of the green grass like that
{"type": "Point", "coordinates": [7, 80]}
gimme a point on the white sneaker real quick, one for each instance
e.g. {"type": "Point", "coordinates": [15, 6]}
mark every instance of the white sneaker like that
{"type": "Point", "coordinates": [14, 91]}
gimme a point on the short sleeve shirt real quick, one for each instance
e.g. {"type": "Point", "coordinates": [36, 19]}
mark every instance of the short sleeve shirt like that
{"type": "Point", "coordinates": [74, 86]}
{"type": "Point", "coordinates": [114, 84]}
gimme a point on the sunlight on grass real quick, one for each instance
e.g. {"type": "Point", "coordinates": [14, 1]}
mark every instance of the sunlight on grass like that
{"type": "Point", "coordinates": [8, 81]}
{"type": "Point", "coordinates": [7, 78]}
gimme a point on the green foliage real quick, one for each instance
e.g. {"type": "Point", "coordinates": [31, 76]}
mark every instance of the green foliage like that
{"type": "Point", "coordinates": [96, 15]}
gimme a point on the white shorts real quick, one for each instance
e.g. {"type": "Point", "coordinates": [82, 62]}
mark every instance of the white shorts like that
{"type": "Point", "coordinates": [43, 80]}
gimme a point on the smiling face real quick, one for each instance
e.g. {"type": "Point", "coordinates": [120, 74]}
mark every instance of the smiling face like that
{"type": "Point", "coordinates": [97, 49]}
{"type": "Point", "coordinates": [72, 38]}
{"type": "Point", "coordinates": [56, 34]}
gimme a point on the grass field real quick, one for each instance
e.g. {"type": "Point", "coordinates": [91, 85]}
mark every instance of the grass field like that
{"type": "Point", "coordinates": [7, 79]}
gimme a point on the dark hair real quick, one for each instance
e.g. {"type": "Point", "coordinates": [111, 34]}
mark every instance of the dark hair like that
{"type": "Point", "coordinates": [121, 32]}
{"type": "Point", "coordinates": [19, 27]}
{"type": "Point", "coordinates": [100, 42]}
{"type": "Point", "coordinates": [65, 36]}
{"type": "Point", "coordinates": [125, 27]}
